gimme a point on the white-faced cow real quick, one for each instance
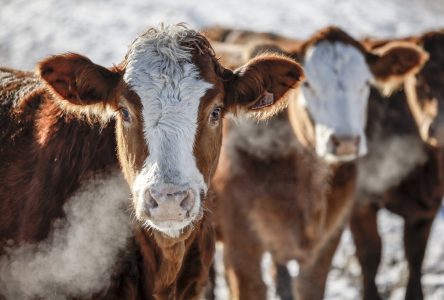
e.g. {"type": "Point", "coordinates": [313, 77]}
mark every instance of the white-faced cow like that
{"type": "Point", "coordinates": [287, 186]}
{"type": "Point", "coordinates": [166, 101]}
{"type": "Point", "coordinates": [404, 171]}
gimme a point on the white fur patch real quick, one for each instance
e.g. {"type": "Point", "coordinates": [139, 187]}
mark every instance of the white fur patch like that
{"type": "Point", "coordinates": [337, 94]}
{"type": "Point", "coordinates": [161, 72]}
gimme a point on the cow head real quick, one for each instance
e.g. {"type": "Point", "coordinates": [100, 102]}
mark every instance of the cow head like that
{"type": "Point", "coordinates": [425, 91]}
{"type": "Point", "coordinates": [331, 108]}
{"type": "Point", "coordinates": [168, 98]}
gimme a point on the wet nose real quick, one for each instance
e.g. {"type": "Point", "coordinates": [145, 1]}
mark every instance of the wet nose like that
{"type": "Point", "coordinates": [170, 202]}
{"type": "Point", "coordinates": [436, 132]}
{"type": "Point", "coordinates": [345, 145]}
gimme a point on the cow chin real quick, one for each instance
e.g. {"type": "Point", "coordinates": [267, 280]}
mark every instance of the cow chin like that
{"type": "Point", "coordinates": [335, 159]}
{"type": "Point", "coordinates": [171, 228]}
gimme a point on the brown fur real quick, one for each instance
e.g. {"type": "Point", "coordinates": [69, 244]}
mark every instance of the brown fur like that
{"type": "Point", "coordinates": [417, 195]}
{"type": "Point", "coordinates": [245, 37]}
{"type": "Point", "coordinates": [39, 138]}
{"type": "Point", "coordinates": [284, 205]}
{"type": "Point", "coordinates": [58, 131]}
{"type": "Point", "coordinates": [290, 202]}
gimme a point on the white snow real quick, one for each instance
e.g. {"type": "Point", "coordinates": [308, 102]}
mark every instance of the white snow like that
{"type": "Point", "coordinates": [392, 273]}
{"type": "Point", "coordinates": [103, 29]}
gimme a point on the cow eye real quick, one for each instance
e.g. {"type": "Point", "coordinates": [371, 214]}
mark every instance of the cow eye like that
{"type": "Point", "coordinates": [216, 115]}
{"type": "Point", "coordinates": [126, 116]}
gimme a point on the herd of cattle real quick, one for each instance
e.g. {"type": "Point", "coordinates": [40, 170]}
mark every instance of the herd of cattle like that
{"type": "Point", "coordinates": [352, 126]}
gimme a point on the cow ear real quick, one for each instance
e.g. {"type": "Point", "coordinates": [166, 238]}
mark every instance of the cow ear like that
{"type": "Point", "coordinates": [260, 86]}
{"type": "Point", "coordinates": [77, 79]}
{"type": "Point", "coordinates": [395, 61]}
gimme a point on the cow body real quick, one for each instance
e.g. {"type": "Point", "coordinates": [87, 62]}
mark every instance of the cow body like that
{"type": "Point", "coordinates": [59, 151]}
{"type": "Point", "coordinates": [404, 170]}
{"type": "Point", "coordinates": [276, 197]}
{"type": "Point", "coordinates": [40, 143]}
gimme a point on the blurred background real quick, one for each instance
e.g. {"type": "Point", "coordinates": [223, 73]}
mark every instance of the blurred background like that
{"type": "Point", "coordinates": [103, 29]}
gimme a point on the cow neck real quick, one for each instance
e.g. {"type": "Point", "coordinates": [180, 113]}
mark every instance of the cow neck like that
{"type": "Point", "coordinates": [169, 254]}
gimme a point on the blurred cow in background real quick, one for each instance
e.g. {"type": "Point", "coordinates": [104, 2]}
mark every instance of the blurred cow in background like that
{"type": "Point", "coordinates": [288, 186]}
{"type": "Point", "coordinates": [404, 171]}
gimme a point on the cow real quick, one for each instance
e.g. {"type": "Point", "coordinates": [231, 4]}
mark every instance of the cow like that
{"type": "Point", "coordinates": [158, 115]}
{"type": "Point", "coordinates": [229, 36]}
{"type": "Point", "coordinates": [288, 186]}
{"type": "Point", "coordinates": [404, 171]}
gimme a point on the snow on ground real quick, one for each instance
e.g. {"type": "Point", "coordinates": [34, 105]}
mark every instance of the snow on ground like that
{"type": "Point", "coordinates": [344, 281]}
{"type": "Point", "coordinates": [102, 29]}
{"type": "Point", "coordinates": [392, 274]}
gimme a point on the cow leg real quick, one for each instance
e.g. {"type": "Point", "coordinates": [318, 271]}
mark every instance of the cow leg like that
{"type": "Point", "coordinates": [416, 235]}
{"type": "Point", "coordinates": [311, 281]}
{"type": "Point", "coordinates": [283, 282]}
{"type": "Point", "coordinates": [210, 289]}
{"type": "Point", "coordinates": [243, 268]}
{"type": "Point", "coordinates": [364, 228]}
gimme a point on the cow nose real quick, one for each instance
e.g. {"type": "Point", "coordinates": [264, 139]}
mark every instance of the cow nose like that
{"type": "Point", "coordinates": [345, 145]}
{"type": "Point", "coordinates": [436, 132]}
{"type": "Point", "coordinates": [170, 202]}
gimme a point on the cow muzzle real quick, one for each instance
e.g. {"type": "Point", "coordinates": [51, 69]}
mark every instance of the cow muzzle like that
{"type": "Point", "coordinates": [435, 134]}
{"type": "Point", "coordinates": [169, 202]}
{"type": "Point", "coordinates": [168, 208]}
{"type": "Point", "coordinates": [344, 148]}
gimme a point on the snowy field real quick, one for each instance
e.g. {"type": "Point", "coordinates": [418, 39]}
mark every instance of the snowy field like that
{"type": "Point", "coordinates": [102, 30]}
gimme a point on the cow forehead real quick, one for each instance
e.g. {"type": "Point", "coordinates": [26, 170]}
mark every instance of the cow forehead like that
{"type": "Point", "coordinates": [160, 69]}
{"type": "Point", "coordinates": [336, 65]}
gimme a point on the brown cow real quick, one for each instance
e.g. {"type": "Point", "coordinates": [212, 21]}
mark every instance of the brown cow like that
{"type": "Point", "coordinates": [236, 46]}
{"type": "Point", "coordinates": [166, 101]}
{"type": "Point", "coordinates": [287, 187]}
{"type": "Point", "coordinates": [244, 37]}
{"type": "Point", "coordinates": [404, 171]}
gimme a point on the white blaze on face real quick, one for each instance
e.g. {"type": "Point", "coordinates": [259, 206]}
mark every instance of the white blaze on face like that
{"type": "Point", "coordinates": [336, 94]}
{"type": "Point", "coordinates": [161, 72]}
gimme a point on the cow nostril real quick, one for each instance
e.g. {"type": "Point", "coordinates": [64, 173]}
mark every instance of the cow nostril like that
{"type": "Point", "coordinates": [152, 203]}
{"type": "Point", "coordinates": [335, 141]}
{"type": "Point", "coordinates": [188, 201]}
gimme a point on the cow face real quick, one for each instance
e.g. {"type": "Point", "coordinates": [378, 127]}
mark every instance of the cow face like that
{"type": "Point", "coordinates": [339, 73]}
{"type": "Point", "coordinates": [169, 97]}
{"type": "Point", "coordinates": [336, 93]}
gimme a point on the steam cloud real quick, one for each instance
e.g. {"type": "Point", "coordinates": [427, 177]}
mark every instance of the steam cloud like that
{"type": "Point", "coordinates": [77, 259]}
{"type": "Point", "coordinates": [388, 162]}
